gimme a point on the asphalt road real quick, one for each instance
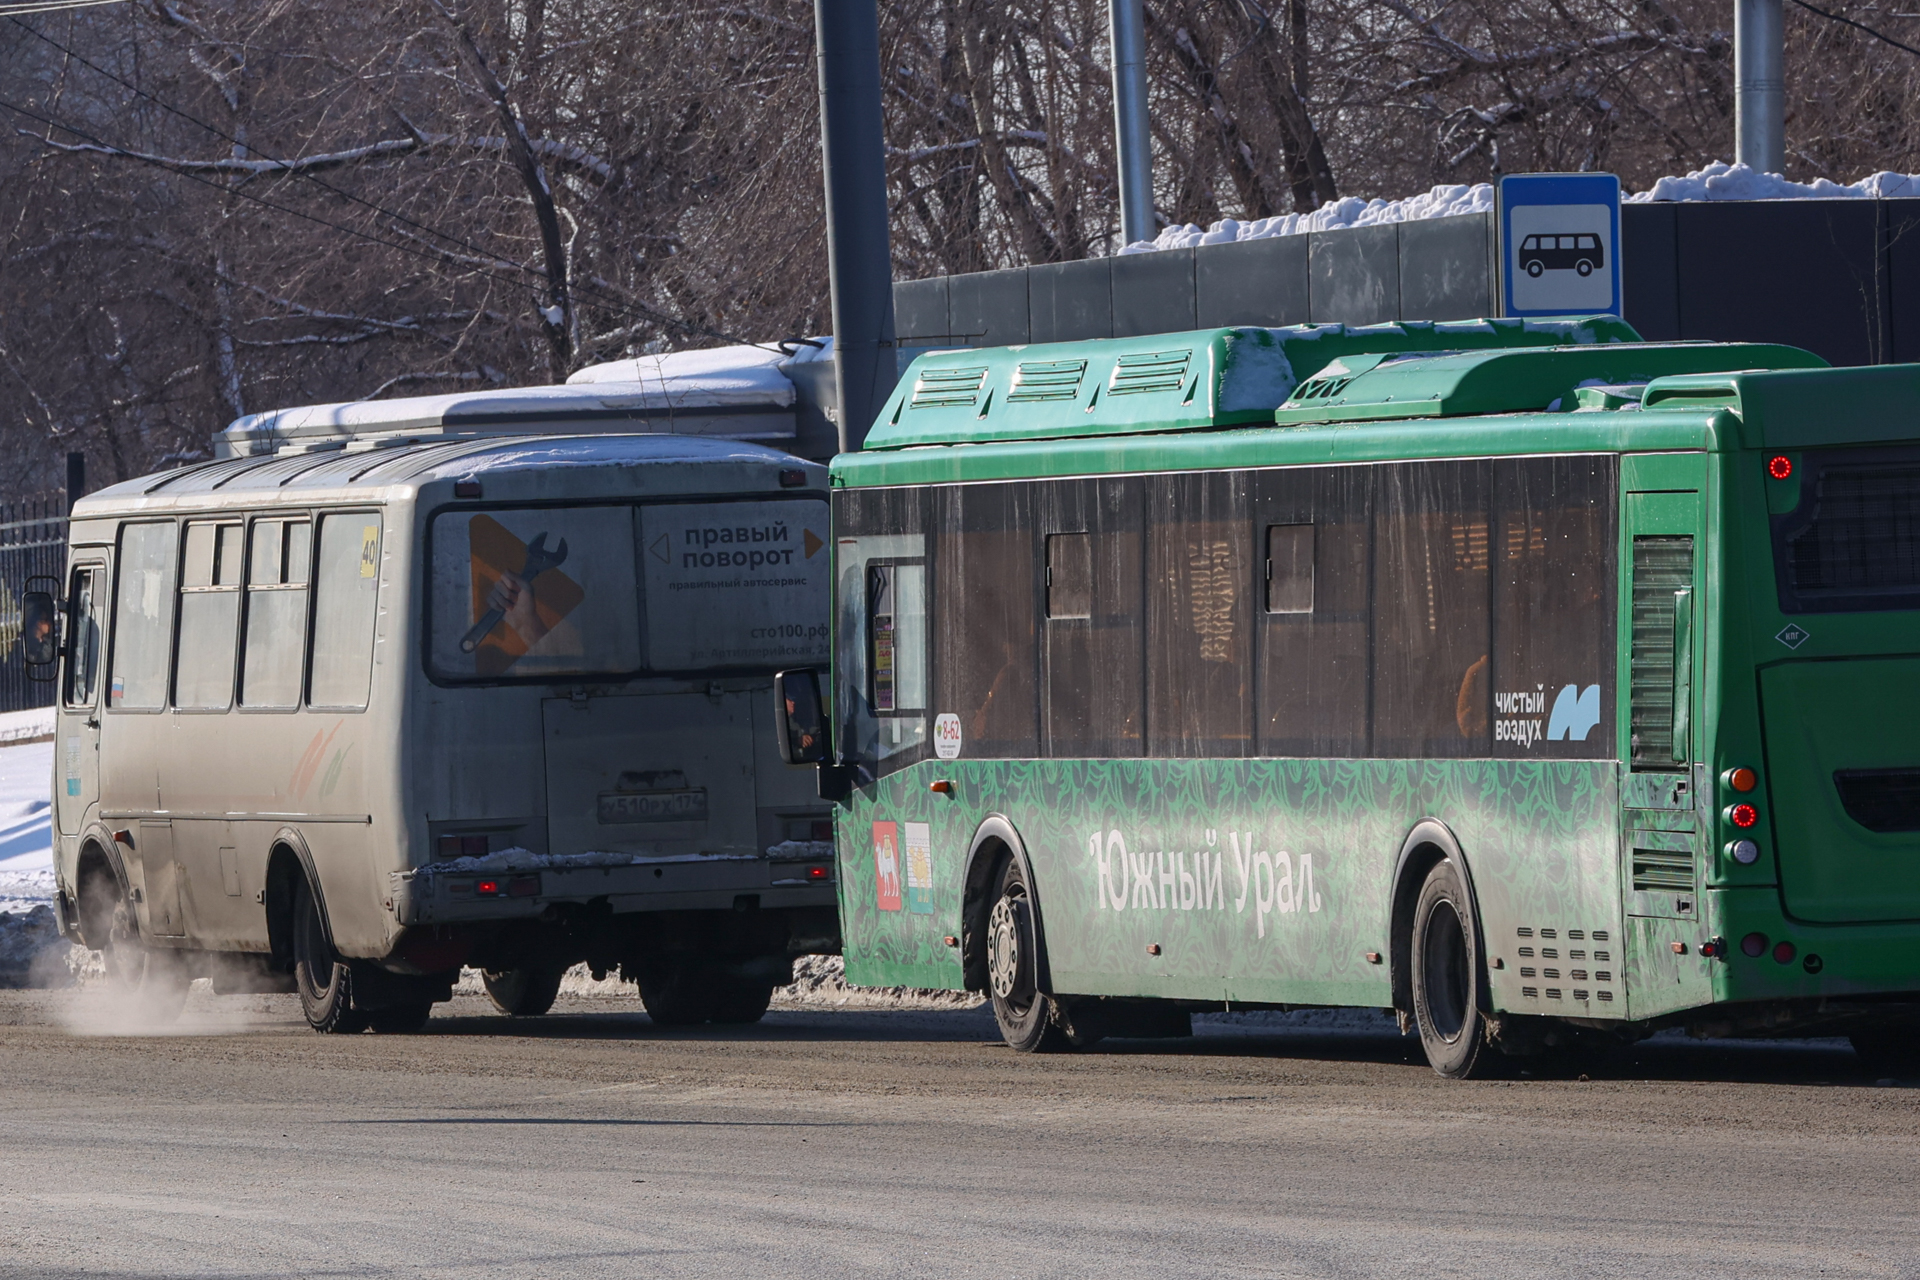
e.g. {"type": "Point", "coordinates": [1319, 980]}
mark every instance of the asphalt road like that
{"type": "Point", "coordinates": [830, 1144]}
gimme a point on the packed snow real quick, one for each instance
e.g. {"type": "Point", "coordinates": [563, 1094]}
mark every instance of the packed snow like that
{"type": "Point", "coordinates": [26, 787]}
{"type": "Point", "coordinates": [1718, 181]}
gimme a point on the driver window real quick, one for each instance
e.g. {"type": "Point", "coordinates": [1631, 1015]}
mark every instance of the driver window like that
{"type": "Point", "coordinates": [86, 605]}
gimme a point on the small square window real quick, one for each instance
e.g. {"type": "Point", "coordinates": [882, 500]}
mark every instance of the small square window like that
{"type": "Point", "coordinates": [1070, 575]}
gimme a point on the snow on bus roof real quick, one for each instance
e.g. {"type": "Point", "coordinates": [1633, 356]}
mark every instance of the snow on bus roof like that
{"type": "Point", "coordinates": [715, 391]}
{"type": "Point", "coordinates": [420, 462]}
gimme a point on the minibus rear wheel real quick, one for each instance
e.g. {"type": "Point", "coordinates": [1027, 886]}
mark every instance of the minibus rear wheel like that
{"type": "Point", "coordinates": [686, 993]}
{"type": "Point", "coordinates": [324, 980]}
{"type": "Point", "coordinates": [522, 993]}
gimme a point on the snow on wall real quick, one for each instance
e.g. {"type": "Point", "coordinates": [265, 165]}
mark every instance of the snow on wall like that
{"type": "Point", "coordinates": [1717, 181]}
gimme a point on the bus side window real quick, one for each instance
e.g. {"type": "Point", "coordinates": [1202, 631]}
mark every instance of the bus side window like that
{"type": "Point", "coordinates": [143, 617]}
{"type": "Point", "coordinates": [985, 627]}
{"type": "Point", "coordinates": [346, 582]}
{"type": "Point", "coordinates": [1432, 692]}
{"type": "Point", "coordinates": [1093, 634]}
{"type": "Point", "coordinates": [87, 603]}
{"type": "Point", "coordinates": [209, 617]}
{"type": "Point", "coordinates": [1200, 576]}
{"type": "Point", "coordinates": [1290, 568]}
{"type": "Point", "coordinates": [276, 614]}
{"type": "Point", "coordinates": [1313, 673]}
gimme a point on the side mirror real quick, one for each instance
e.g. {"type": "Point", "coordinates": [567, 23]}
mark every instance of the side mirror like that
{"type": "Point", "coordinates": [39, 639]}
{"type": "Point", "coordinates": [801, 717]}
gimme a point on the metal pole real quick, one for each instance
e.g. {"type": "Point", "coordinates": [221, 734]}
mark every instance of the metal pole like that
{"type": "Point", "coordinates": [859, 263]}
{"type": "Point", "coordinates": [76, 478]}
{"type": "Point", "coordinates": [1130, 122]}
{"type": "Point", "coordinates": [1759, 85]}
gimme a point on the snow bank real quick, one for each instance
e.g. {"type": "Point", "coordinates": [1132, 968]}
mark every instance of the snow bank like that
{"type": "Point", "coordinates": [25, 726]}
{"type": "Point", "coordinates": [32, 952]}
{"type": "Point", "coordinates": [1441, 202]}
{"type": "Point", "coordinates": [1741, 182]}
{"type": "Point", "coordinates": [1717, 181]}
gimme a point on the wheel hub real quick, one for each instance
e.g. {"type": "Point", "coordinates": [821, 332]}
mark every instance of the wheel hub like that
{"type": "Point", "coordinates": [1005, 954]}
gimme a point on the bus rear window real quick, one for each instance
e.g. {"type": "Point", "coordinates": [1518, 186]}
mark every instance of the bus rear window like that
{"type": "Point", "coordinates": [534, 592]}
{"type": "Point", "coordinates": [615, 591]}
{"type": "Point", "coordinates": [1852, 544]}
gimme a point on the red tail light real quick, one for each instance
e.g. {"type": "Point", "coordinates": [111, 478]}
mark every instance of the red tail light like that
{"type": "Point", "coordinates": [487, 888]}
{"type": "Point", "coordinates": [816, 873]}
{"type": "Point", "coordinates": [1784, 952]}
{"type": "Point", "coordinates": [1780, 466]}
{"type": "Point", "coordinates": [1743, 815]}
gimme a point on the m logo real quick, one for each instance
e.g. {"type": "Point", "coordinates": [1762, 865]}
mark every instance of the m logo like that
{"type": "Point", "coordinates": [1575, 712]}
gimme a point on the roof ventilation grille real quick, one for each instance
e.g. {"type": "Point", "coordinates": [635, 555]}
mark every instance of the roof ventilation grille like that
{"type": "Point", "coordinates": [1037, 380]}
{"type": "Point", "coordinates": [948, 388]}
{"type": "Point", "coordinates": [1150, 371]}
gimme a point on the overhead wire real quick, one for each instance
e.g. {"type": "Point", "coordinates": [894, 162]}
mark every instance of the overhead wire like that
{"type": "Point", "coordinates": [635, 310]}
{"type": "Point", "coordinates": [1857, 26]}
{"type": "Point", "coordinates": [52, 6]}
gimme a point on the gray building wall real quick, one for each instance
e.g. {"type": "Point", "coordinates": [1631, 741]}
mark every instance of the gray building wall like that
{"type": "Point", "coordinates": [1838, 277]}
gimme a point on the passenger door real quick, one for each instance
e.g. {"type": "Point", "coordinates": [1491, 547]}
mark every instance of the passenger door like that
{"type": "Point", "coordinates": [1662, 825]}
{"type": "Point", "coordinates": [77, 790]}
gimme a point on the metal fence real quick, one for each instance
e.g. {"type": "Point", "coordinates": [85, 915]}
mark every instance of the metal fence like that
{"type": "Point", "coordinates": [33, 542]}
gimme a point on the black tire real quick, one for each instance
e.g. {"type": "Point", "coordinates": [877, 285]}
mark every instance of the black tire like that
{"type": "Point", "coordinates": [153, 978]}
{"type": "Point", "coordinates": [325, 982]}
{"type": "Point", "coordinates": [1024, 1012]}
{"type": "Point", "coordinates": [1889, 1051]}
{"type": "Point", "coordinates": [1447, 985]}
{"type": "Point", "coordinates": [522, 993]}
{"type": "Point", "coordinates": [687, 993]}
{"type": "Point", "coordinates": [400, 1019]}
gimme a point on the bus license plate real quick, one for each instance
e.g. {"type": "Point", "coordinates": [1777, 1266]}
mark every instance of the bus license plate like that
{"type": "Point", "coordinates": [689, 805]}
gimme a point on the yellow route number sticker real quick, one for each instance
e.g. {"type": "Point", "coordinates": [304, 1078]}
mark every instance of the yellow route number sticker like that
{"type": "Point", "coordinates": [369, 550]}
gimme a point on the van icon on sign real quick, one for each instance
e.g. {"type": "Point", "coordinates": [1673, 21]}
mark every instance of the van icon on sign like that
{"type": "Point", "coordinates": [1579, 252]}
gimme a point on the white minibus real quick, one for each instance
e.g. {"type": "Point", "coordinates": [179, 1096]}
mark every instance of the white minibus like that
{"type": "Point", "coordinates": [413, 695]}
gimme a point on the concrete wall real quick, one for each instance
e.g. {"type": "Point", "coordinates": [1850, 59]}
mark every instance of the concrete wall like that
{"type": "Point", "coordinates": [1838, 277]}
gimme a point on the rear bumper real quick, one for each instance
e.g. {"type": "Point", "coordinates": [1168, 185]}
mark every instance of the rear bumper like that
{"type": "Point", "coordinates": [436, 896]}
{"type": "Point", "coordinates": [1879, 959]}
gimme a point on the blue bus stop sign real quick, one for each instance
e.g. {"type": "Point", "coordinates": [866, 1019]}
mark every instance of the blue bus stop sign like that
{"type": "Point", "coordinates": [1559, 244]}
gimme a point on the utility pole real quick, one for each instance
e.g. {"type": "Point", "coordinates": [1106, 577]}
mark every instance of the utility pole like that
{"type": "Point", "coordinates": [1132, 148]}
{"type": "Point", "coordinates": [1759, 85]}
{"type": "Point", "coordinates": [859, 262]}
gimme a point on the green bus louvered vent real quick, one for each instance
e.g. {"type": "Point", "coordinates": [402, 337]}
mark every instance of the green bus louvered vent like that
{"type": "Point", "coordinates": [1662, 870]}
{"type": "Point", "coordinates": [1047, 380]}
{"type": "Point", "coordinates": [1661, 566]}
{"type": "Point", "coordinates": [948, 388]}
{"type": "Point", "coordinates": [1149, 371]}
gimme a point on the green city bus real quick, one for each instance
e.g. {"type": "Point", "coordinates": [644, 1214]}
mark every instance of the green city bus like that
{"type": "Point", "coordinates": [1543, 685]}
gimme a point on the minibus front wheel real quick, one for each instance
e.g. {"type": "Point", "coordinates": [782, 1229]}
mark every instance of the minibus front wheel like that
{"type": "Point", "coordinates": [155, 976]}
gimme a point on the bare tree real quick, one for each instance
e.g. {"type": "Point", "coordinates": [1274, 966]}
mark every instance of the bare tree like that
{"type": "Point", "coordinates": [213, 207]}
